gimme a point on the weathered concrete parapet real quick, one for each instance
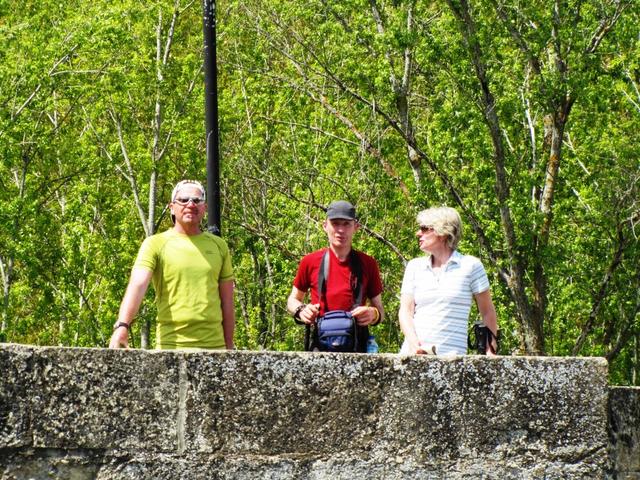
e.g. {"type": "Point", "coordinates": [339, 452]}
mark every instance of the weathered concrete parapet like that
{"type": "Point", "coordinates": [115, 414]}
{"type": "Point", "coordinates": [624, 430]}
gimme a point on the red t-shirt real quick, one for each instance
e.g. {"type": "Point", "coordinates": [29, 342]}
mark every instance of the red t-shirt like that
{"type": "Point", "coordinates": [339, 284]}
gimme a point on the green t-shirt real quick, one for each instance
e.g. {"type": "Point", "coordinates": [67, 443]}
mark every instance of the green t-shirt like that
{"type": "Point", "coordinates": [186, 274]}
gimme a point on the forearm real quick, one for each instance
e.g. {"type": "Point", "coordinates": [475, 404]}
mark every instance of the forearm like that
{"type": "Point", "coordinates": [377, 304]}
{"type": "Point", "coordinates": [228, 327]}
{"type": "Point", "coordinates": [293, 302]}
{"type": "Point", "coordinates": [129, 307]}
{"type": "Point", "coordinates": [131, 301]}
{"type": "Point", "coordinates": [489, 318]}
{"type": "Point", "coordinates": [302, 312]}
{"type": "Point", "coordinates": [405, 317]}
{"type": "Point", "coordinates": [128, 310]}
{"type": "Point", "coordinates": [134, 294]}
{"type": "Point", "coordinates": [487, 311]}
{"type": "Point", "coordinates": [408, 328]}
{"type": "Point", "coordinates": [491, 321]}
{"type": "Point", "coordinates": [228, 312]}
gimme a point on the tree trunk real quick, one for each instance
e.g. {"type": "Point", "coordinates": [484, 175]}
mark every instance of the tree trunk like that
{"type": "Point", "coordinates": [6, 269]}
{"type": "Point", "coordinates": [531, 334]}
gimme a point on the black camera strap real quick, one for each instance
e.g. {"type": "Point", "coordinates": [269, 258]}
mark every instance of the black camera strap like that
{"type": "Point", "coordinates": [323, 276]}
{"type": "Point", "coordinates": [492, 337]}
{"type": "Point", "coordinates": [483, 338]}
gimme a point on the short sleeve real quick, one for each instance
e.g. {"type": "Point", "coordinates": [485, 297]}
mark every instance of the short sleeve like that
{"type": "Point", "coordinates": [147, 255]}
{"type": "Point", "coordinates": [374, 283]}
{"type": "Point", "coordinates": [408, 280]}
{"type": "Point", "coordinates": [302, 281]}
{"type": "Point", "coordinates": [479, 279]}
{"type": "Point", "coordinates": [226, 272]}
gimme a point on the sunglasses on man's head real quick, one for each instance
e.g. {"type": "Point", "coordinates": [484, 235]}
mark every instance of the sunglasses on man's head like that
{"type": "Point", "coordinates": [426, 228]}
{"type": "Point", "coordinates": [186, 200]}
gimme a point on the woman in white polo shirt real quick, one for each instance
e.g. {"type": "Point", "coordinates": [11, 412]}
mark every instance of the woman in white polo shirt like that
{"type": "Point", "coordinates": [437, 289]}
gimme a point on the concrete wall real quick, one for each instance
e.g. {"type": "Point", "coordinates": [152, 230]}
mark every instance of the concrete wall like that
{"type": "Point", "coordinates": [114, 414]}
{"type": "Point", "coordinates": [624, 431]}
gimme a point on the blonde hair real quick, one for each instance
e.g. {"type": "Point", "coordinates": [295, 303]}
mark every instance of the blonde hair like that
{"type": "Point", "coordinates": [444, 221]}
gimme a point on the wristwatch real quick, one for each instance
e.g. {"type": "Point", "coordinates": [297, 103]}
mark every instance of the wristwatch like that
{"type": "Point", "coordinates": [121, 324]}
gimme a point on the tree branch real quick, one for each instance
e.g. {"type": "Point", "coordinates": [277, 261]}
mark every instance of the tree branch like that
{"type": "Point", "coordinates": [519, 40]}
{"type": "Point", "coordinates": [587, 328]}
{"type": "Point", "coordinates": [130, 175]}
{"type": "Point", "coordinates": [606, 24]}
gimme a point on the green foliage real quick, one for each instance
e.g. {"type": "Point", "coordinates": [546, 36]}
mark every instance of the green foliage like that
{"type": "Point", "coordinates": [317, 103]}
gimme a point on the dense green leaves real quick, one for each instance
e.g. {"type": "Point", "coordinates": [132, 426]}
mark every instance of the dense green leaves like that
{"type": "Point", "coordinates": [521, 115]}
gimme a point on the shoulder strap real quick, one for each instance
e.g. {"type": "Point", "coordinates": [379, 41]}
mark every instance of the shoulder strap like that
{"type": "Point", "coordinates": [323, 276]}
{"type": "Point", "coordinates": [356, 268]}
{"type": "Point", "coordinates": [310, 333]}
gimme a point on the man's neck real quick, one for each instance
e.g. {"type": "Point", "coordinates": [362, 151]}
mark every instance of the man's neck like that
{"type": "Point", "coordinates": [190, 230]}
{"type": "Point", "coordinates": [341, 253]}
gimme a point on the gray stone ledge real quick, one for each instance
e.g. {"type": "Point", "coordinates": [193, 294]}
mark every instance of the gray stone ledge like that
{"type": "Point", "coordinates": [149, 414]}
{"type": "Point", "coordinates": [41, 464]}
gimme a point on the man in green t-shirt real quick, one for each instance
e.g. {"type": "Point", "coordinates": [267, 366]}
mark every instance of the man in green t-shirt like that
{"type": "Point", "coordinates": [192, 276]}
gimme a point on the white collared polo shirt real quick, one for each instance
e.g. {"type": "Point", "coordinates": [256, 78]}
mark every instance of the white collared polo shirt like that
{"type": "Point", "coordinates": [443, 299]}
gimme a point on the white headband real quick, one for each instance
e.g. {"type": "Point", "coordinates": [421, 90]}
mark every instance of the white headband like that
{"type": "Point", "coordinates": [182, 183]}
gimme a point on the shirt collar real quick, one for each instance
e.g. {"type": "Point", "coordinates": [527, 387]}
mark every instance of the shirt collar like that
{"type": "Point", "coordinates": [456, 257]}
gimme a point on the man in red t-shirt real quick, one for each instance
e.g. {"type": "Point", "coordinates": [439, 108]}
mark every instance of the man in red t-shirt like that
{"type": "Point", "coordinates": [341, 224]}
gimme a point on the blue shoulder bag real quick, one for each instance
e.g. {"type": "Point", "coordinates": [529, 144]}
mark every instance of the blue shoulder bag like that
{"type": "Point", "coordinates": [336, 330]}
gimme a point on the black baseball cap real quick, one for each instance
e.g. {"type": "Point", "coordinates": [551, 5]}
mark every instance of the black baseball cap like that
{"type": "Point", "coordinates": [341, 209]}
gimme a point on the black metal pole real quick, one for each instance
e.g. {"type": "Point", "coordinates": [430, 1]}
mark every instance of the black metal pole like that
{"type": "Point", "coordinates": [211, 115]}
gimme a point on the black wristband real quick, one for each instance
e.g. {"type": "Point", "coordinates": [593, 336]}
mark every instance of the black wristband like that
{"type": "Point", "coordinates": [296, 313]}
{"type": "Point", "coordinates": [121, 324]}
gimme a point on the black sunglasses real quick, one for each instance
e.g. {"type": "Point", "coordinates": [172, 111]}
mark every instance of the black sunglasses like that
{"type": "Point", "coordinates": [186, 200]}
